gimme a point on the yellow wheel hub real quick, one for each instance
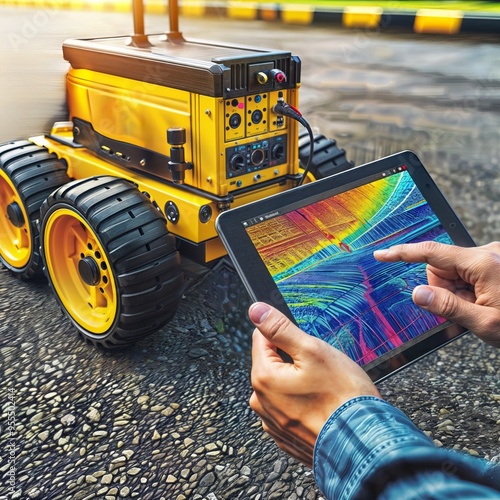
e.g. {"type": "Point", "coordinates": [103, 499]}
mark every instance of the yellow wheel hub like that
{"type": "Point", "coordinates": [80, 271]}
{"type": "Point", "coordinates": [15, 232]}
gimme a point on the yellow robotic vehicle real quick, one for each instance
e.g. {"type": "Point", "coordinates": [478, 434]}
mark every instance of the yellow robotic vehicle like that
{"type": "Point", "coordinates": [163, 134]}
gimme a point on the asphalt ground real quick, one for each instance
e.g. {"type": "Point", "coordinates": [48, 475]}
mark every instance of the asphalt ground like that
{"type": "Point", "coordinates": [169, 418]}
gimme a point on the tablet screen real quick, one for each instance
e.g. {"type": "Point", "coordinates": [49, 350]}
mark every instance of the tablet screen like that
{"type": "Point", "coordinates": [320, 256]}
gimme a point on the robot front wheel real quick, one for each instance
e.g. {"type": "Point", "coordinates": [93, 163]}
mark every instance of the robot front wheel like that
{"type": "Point", "coordinates": [110, 260]}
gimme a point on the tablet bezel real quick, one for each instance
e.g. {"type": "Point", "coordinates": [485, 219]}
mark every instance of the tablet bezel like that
{"type": "Point", "coordinates": [259, 282]}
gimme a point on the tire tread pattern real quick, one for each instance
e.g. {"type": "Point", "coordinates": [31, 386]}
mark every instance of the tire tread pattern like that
{"type": "Point", "coordinates": [139, 248]}
{"type": "Point", "coordinates": [328, 158]}
{"type": "Point", "coordinates": [35, 173]}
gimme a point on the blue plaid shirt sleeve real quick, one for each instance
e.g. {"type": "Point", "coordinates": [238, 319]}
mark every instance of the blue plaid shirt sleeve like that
{"type": "Point", "coordinates": [370, 450]}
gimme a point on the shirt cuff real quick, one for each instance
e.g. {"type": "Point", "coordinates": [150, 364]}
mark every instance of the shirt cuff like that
{"type": "Point", "coordinates": [358, 438]}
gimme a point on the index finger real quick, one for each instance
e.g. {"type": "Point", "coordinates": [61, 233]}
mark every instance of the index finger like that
{"type": "Point", "coordinates": [438, 255]}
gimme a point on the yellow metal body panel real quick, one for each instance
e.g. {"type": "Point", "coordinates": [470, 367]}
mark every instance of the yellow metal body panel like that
{"type": "Point", "coordinates": [139, 113]}
{"type": "Point", "coordinates": [82, 163]}
{"type": "Point", "coordinates": [127, 110]}
{"type": "Point", "coordinates": [126, 102]}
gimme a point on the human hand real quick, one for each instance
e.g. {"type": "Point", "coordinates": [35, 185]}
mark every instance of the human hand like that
{"type": "Point", "coordinates": [294, 400]}
{"type": "Point", "coordinates": [464, 283]}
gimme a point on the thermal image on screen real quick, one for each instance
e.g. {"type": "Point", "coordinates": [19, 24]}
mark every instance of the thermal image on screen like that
{"type": "Point", "coordinates": [321, 259]}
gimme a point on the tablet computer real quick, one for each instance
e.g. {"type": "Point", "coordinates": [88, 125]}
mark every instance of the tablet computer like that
{"type": "Point", "coordinates": [309, 252]}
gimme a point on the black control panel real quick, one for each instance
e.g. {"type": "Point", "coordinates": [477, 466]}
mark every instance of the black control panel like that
{"type": "Point", "coordinates": [255, 156]}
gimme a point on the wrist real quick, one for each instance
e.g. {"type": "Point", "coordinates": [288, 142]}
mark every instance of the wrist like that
{"type": "Point", "coordinates": [356, 439]}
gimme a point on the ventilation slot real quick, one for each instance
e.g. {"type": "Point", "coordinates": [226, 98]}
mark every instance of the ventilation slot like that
{"type": "Point", "coordinates": [238, 76]}
{"type": "Point", "coordinates": [283, 65]}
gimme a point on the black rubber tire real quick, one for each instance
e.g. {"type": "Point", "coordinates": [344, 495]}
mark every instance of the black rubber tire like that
{"type": "Point", "coordinates": [34, 174]}
{"type": "Point", "coordinates": [328, 158]}
{"type": "Point", "coordinates": [137, 246]}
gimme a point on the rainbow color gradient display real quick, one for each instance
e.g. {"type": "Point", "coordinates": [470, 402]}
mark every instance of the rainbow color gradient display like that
{"type": "Point", "coordinates": [321, 259]}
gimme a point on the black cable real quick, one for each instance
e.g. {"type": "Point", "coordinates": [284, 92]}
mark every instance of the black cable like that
{"type": "Point", "coordinates": [284, 109]}
{"type": "Point", "coordinates": [311, 152]}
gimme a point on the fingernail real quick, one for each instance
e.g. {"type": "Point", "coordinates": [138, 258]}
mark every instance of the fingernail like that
{"type": "Point", "coordinates": [423, 296]}
{"type": "Point", "coordinates": [258, 312]}
{"type": "Point", "coordinates": [381, 253]}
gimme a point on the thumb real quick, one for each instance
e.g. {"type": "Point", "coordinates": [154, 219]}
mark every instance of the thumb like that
{"type": "Point", "coordinates": [445, 303]}
{"type": "Point", "coordinates": [278, 329]}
